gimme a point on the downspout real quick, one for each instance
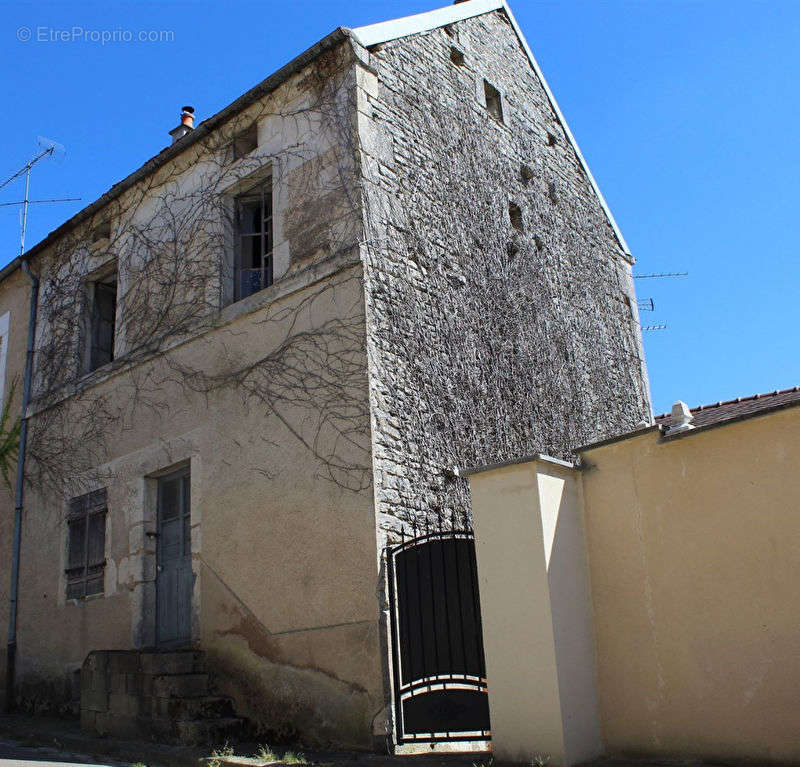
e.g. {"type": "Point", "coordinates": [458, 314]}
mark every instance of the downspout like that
{"type": "Point", "coordinates": [11, 656]}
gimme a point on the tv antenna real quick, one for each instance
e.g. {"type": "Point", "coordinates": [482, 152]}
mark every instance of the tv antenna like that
{"type": "Point", "coordinates": [646, 305]}
{"type": "Point", "coordinates": [654, 327]}
{"type": "Point", "coordinates": [46, 148]}
{"type": "Point", "coordinates": [660, 275]}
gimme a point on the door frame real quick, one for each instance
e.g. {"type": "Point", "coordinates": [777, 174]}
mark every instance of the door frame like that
{"type": "Point", "coordinates": [174, 472]}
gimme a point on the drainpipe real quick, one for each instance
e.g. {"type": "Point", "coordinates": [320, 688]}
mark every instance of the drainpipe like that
{"type": "Point", "coordinates": [11, 656]}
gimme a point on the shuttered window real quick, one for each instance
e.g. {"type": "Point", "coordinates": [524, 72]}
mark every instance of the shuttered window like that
{"type": "Point", "coordinates": [86, 544]}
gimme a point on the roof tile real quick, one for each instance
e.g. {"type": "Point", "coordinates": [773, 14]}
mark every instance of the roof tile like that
{"type": "Point", "coordinates": [706, 415]}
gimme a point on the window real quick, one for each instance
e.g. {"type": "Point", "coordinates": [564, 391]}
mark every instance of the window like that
{"type": "Point", "coordinates": [102, 232]}
{"type": "Point", "coordinates": [494, 102]}
{"type": "Point", "coordinates": [245, 141]}
{"type": "Point", "coordinates": [102, 321]}
{"type": "Point", "coordinates": [253, 241]}
{"type": "Point", "coordinates": [515, 216]}
{"type": "Point", "coordinates": [456, 56]}
{"type": "Point", "coordinates": [86, 562]}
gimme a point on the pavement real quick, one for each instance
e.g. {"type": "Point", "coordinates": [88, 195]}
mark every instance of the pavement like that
{"type": "Point", "coordinates": [46, 742]}
{"type": "Point", "coordinates": [16, 753]}
{"type": "Point", "coordinates": [43, 741]}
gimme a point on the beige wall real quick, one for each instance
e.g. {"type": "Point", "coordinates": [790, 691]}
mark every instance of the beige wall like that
{"type": "Point", "coordinates": [536, 612]}
{"type": "Point", "coordinates": [14, 300]}
{"type": "Point", "coordinates": [694, 548]}
{"type": "Point", "coordinates": [285, 560]}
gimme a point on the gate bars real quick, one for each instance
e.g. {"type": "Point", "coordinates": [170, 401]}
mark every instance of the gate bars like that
{"type": "Point", "coordinates": [439, 671]}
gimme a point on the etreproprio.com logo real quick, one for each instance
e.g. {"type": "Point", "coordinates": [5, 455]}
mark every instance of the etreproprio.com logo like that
{"type": "Point", "coordinates": [79, 34]}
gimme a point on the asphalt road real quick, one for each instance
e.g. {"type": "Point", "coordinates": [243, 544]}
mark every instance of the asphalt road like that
{"type": "Point", "coordinates": [14, 754]}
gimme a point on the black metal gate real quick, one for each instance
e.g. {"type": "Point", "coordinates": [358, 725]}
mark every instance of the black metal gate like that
{"type": "Point", "coordinates": [437, 640]}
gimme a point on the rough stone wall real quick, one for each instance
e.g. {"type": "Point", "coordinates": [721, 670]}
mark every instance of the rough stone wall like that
{"type": "Point", "coordinates": [501, 307]}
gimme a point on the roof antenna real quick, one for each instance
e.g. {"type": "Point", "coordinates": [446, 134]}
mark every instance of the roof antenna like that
{"type": "Point", "coordinates": [660, 275]}
{"type": "Point", "coordinates": [45, 148]}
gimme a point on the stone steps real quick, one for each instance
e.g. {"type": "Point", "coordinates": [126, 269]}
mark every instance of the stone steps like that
{"type": "Point", "coordinates": [167, 695]}
{"type": "Point", "coordinates": [209, 731]}
{"type": "Point", "coordinates": [187, 709]}
{"type": "Point", "coordinates": [181, 686]}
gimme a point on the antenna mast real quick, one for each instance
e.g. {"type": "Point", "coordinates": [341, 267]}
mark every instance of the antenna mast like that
{"type": "Point", "coordinates": [46, 148]}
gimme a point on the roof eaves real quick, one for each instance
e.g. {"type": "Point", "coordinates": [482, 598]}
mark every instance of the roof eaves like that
{"type": "Point", "coordinates": [618, 438]}
{"type": "Point", "coordinates": [207, 126]}
{"type": "Point", "coordinates": [10, 268]}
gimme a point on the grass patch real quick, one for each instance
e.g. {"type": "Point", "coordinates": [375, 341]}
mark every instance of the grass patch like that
{"type": "Point", "coordinates": [218, 754]}
{"type": "Point", "coordinates": [266, 753]}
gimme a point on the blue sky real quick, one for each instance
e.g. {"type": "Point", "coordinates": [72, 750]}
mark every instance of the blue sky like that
{"type": "Point", "coordinates": [687, 113]}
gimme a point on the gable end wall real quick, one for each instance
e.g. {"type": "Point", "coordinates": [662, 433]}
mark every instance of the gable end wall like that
{"type": "Point", "coordinates": [485, 343]}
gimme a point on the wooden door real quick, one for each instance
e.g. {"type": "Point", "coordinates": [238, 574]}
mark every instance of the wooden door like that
{"type": "Point", "coordinates": [174, 580]}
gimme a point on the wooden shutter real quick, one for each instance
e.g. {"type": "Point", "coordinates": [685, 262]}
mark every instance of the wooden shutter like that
{"type": "Point", "coordinates": [86, 544]}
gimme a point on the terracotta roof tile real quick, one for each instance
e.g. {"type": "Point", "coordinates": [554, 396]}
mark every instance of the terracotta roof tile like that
{"type": "Point", "coordinates": [719, 412]}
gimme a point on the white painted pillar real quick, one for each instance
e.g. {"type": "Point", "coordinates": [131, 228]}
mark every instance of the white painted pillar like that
{"type": "Point", "coordinates": [536, 611]}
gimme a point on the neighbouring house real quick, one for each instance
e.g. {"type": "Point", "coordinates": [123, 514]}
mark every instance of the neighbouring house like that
{"type": "Point", "coordinates": [258, 362]}
{"type": "Point", "coordinates": [643, 599]}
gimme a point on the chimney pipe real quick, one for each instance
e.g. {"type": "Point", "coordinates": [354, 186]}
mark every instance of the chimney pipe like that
{"type": "Point", "coordinates": [187, 117]}
{"type": "Point", "coordinates": [186, 126]}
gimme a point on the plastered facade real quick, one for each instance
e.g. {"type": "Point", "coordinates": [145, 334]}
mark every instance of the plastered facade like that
{"type": "Point", "coordinates": [693, 545]}
{"type": "Point", "coordinates": [14, 311]}
{"type": "Point", "coordinates": [283, 601]}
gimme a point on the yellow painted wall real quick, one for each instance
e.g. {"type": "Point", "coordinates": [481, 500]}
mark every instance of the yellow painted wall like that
{"type": "Point", "coordinates": [694, 551]}
{"type": "Point", "coordinates": [14, 299]}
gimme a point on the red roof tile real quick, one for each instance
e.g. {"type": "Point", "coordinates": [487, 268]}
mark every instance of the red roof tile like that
{"type": "Point", "coordinates": [719, 412]}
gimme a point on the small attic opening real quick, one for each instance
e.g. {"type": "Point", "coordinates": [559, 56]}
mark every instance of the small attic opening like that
{"type": "Point", "coordinates": [102, 232]}
{"type": "Point", "coordinates": [515, 216]}
{"type": "Point", "coordinates": [494, 102]}
{"type": "Point", "coordinates": [456, 56]}
{"type": "Point", "coordinates": [245, 141]}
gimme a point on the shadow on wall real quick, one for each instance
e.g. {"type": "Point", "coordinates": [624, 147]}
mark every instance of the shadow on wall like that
{"type": "Point", "coordinates": [283, 682]}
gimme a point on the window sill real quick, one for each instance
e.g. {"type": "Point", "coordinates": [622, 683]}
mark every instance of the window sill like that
{"type": "Point", "coordinates": [83, 600]}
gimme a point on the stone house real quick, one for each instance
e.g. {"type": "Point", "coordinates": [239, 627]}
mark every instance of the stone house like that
{"type": "Point", "coordinates": [258, 360]}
